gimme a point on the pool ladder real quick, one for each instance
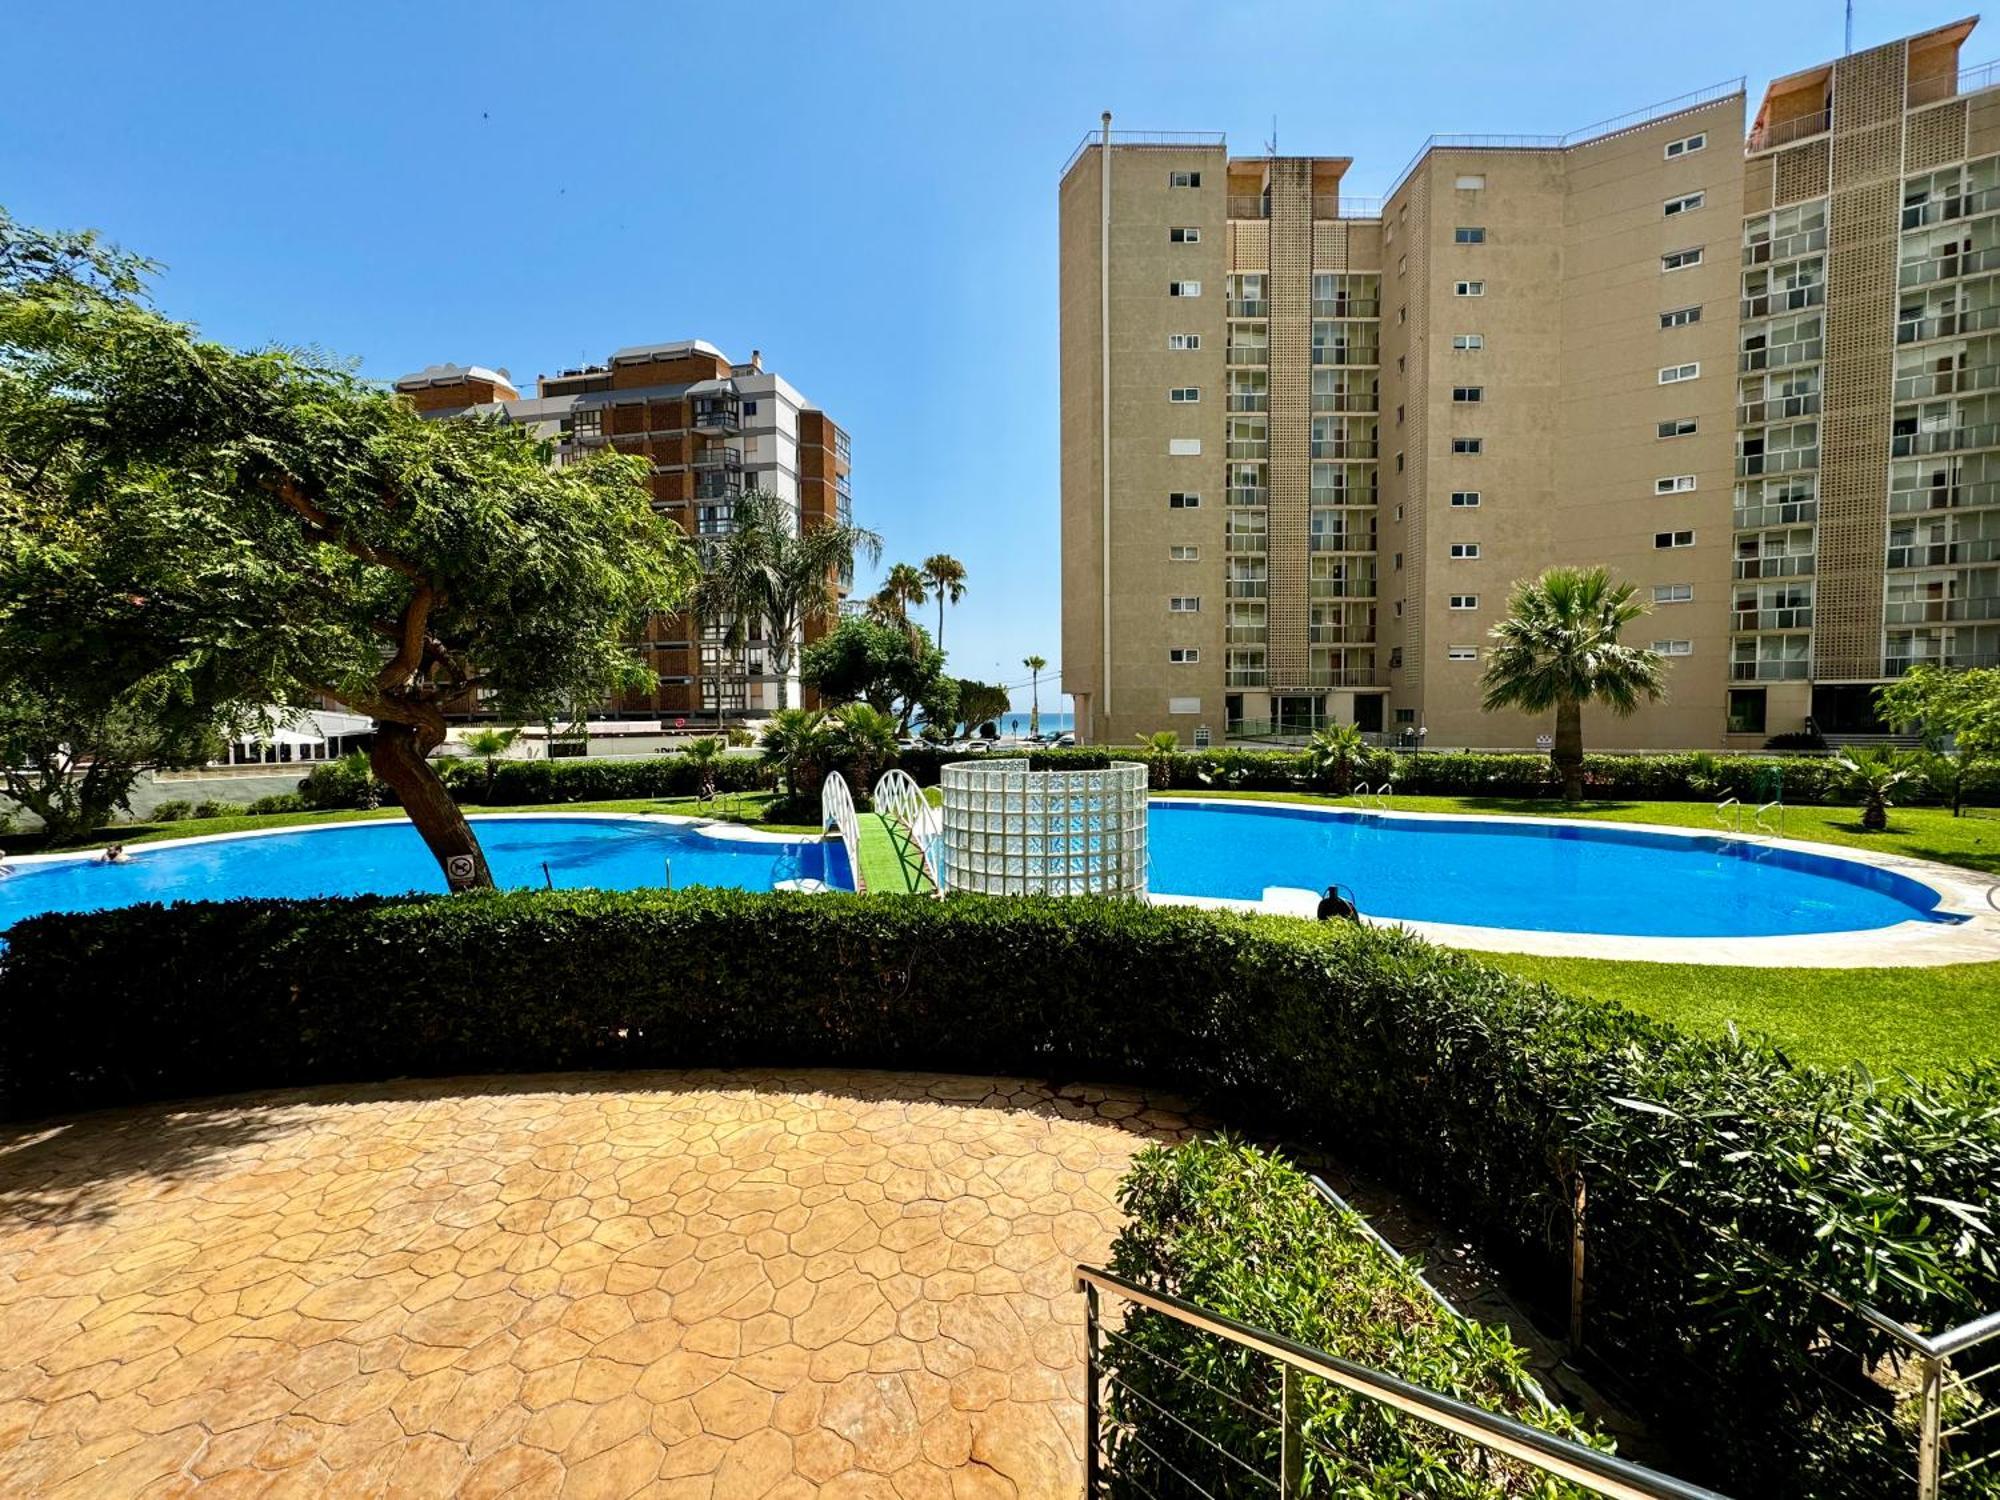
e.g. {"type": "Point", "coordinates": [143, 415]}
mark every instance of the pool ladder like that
{"type": "Point", "coordinates": [1379, 795]}
{"type": "Point", "coordinates": [1734, 822]}
{"type": "Point", "coordinates": [1723, 815]}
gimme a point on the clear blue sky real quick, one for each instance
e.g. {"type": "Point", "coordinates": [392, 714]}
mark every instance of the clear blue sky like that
{"type": "Point", "coordinates": [866, 192]}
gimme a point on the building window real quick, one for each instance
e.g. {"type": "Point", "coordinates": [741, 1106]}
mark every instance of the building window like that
{"type": "Point", "coordinates": [1673, 484]}
{"type": "Point", "coordinates": [1397, 562]}
{"type": "Point", "coordinates": [1674, 648]}
{"type": "Point", "coordinates": [1469, 234]}
{"type": "Point", "coordinates": [1746, 710]}
{"type": "Point", "coordinates": [1183, 554]}
{"type": "Point", "coordinates": [1184, 604]}
{"type": "Point", "coordinates": [1469, 289]}
{"type": "Point", "coordinates": [1678, 427]}
{"type": "Point", "coordinates": [1190, 234]}
{"type": "Point", "coordinates": [1465, 601]}
{"type": "Point", "coordinates": [1464, 394]}
{"type": "Point", "coordinates": [1680, 317]}
{"type": "Point", "coordinates": [1406, 716]}
{"type": "Point", "coordinates": [1687, 203]}
{"type": "Point", "coordinates": [1402, 264]}
{"type": "Point", "coordinates": [1673, 593]}
{"type": "Point", "coordinates": [1468, 445]}
{"type": "Point", "coordinates": [1184, 179]}
{"type": "Point", "coordinates": [1399, 461]}
{"type": "Point", "coordinates": [1461, 653]}
{"type": "Point", "coordinates": [1471, 182]}
{"type": "Point", "coordinates": [1183, 500]}
{"type": "Point", "coordinates": [1399, 512]}
{"type": "Point", "coordinates": [1666, 540]}
{"type": "Point", "coordinates": [1399, 609]}
{"type": "Point", "coordinates": [1184, 395]}
{"type": "Point", "coordinates": [1465, 549]}
{"type": "Point", "coordinates": [1402, 317]}
{"type": "Point", "coordinates": [1671, 374]}
{"type": "Point", "coordinates": [1184, 447]}
{"type": "Point", "coordinates": [1680, 260]}
{"type": "Point", "coordinates": [1184, 289]}
{"type": "Point", "coordinates": [1183, 655]}
{"type": "Point", "coordinates": [749, 408]}
{"type": "Point", "coordinates": [1465, 499]}
{"type": "Point", "coordinates": [1183, 341]}
{"type": "Point", "coordinates": [1467, 341]}
{"type": "Point", "coordinates": [1686, 144]}
{"type": "Point", "coordinates": [1399, 415]}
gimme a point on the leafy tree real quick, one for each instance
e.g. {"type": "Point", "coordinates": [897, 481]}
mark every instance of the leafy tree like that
{"type": "Point", "coordinates": [797, 742]}
{"type": "Point", "coordinates": [888, 667]}
{"type": "Point", "coordinates": [1961, 705]}
{"type": "Point", "coordinates": [1035, 666]}
{"type": "Point", "coordinates": [1331, 755]}
{"type": "Point", "coordinates": [980, 702]}
{"type": "Point", "coordinates": [782, 573]}
{"type": "Point", "coordinates": [214, 530]}
{"type": "Point", "coordinates": [71, 757]}
{"type": "Point", "coordinates": [944, 576]}
{"type": "Point", "coordinates": [1559, 649]}
{"type": "Point", "coordinates": [938, 702]}
{"type": "Point", "coordinates": [862, 741]}
{"type": "Point", "coordinates": [1872, 775]}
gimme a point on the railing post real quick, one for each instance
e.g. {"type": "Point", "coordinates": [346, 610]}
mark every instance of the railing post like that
{"type": "Point", "coordinates": [1090, 1378]}
{"type": "Point", "coordinates": [1930, 1412]}
{"type": "Point", "coordinates": [1291, 1450]}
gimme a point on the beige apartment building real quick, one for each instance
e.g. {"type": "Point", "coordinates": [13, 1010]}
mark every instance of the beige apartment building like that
{"type": "Point", "coordinates": [1310, 441]}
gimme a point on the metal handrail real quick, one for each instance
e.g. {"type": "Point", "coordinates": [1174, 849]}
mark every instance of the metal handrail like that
{"type": "Point", "coordinates": [1600, 1473]}
{"type": "Point", "coordinates": [1758, 817]}
{"type": "Point", "coordinates": [836, 810]}
{"type": "Point", "coordinates": [1722, 807]}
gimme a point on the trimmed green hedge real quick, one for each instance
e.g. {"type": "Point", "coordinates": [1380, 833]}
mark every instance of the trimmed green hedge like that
{"type": "Point", "coordinates": [1244, 1233]}
{"type": "Point", "coordinates": [1805, 780]}
{"type": "Point", "coordinates": [1722, 1181]}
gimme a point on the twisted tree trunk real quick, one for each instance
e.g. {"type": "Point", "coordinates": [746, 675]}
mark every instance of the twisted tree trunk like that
{"type": "Point", "coordinates": [400, 757]}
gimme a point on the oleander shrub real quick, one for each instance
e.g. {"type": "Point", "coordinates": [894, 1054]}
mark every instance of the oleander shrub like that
{"type": "Point", "coordinates": [280, 802]}
{"type": "Point", "coordinates": [172, 812]}
{"type": "Point", "coordinates": [208, 807]}
{"type": "Point", "coordinates": [1243, 1232]}
{"type": "Point", "coordinates": [347, 782]}
{"type": "Point", "coordinates": [1723, 1183]}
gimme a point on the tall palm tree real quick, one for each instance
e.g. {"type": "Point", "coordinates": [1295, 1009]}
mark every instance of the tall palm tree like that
{"type": "Point", "coordinates": [1558, 649]}
{"type": "Point", "coordinates": [902, 587]}
{"type": "Point", "coordinates": [944, 576]}
{"type": "Point", "coordinates": [782, 573]}
{"type": "Point", "coordinates": [1034, 664]}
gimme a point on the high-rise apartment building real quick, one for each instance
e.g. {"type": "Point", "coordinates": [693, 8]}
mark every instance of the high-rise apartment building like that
{"type": "Point", "coordinates": [710, 431]}
{"type": "Point", "coordinates": [1309, 442]}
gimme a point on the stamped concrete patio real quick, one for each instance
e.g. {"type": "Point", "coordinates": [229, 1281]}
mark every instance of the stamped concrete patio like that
{"type": "Point", "coordinates": [712, 1286]}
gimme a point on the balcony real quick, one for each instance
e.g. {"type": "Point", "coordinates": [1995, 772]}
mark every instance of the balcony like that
{"type": "Point", "coordinates": [1248, 307]}
{"type": "Point", "coordinates": [1785, 461]}
{"type": "Point", "coordinates": [1249, 401]}
{"type": "Point", "coordinates": [1246, 635]}
{"type": "Point", "coordinates": [1249, 206]}
{"type": "Point", "coordinates": [1783, 247]}
{"type": "Point", "coordinates": [1325, 355]}
{"type": "Point", "coordinates": [1341, 588]}
{"type": "Point", "coordinates": [1247, 588]}
{"type": "Point", "coordinates": [1341, 541]}
{"type": "Point", "coordinates": [1346, 307]}
{"type": "Point", "coordinates": [1248, 448]}
{"type": "Point", "coordinates": [1788, 299]}
{"type": "Point", "coordinates": [1947, 267]}
{"type": "Point", "coordinates": [1797, 566]}
{"type": "Point", "coordinates": [718, 484]}
{"type": "Point", "coordinates": [1246, 543]}
{"type": "Point", "coordinates": [1782, 356]}
{"type": "Point", "coordinates": [1922, 327]}
{"type": "Point", "coordinates": [1246, 677]}
{"type": "Point", "coordinates": [1345, 448]}
{"type": "Point", "coordinates": [1361, 402]}
{"type": "Point", "coordinates": [1945, 440]}
{"type": "Point", "coordinates": [1968, 495]}
{"type": "Point", "coordinates": [1984, 549]}
{"type": "Point", "coordinates": [1785, 132]}
{"type": "Point", "coordinates": [1983, 608]}
{"type": "Point", "coordinates": [1796, 617]}
{"type": "Point", "coordinates": [1953, 206]}
{"type": "Point", "coordinates": [1248, 494]}
{"type": "Point", "coordinates": [1896, 666]}
{"type": "Point", "coordinates": [1777, 409]}
{"type": "Point", "coordinates": [1349, 677]}
{"type": "Point", "coordinates": [717, 456]}
{"type": "Point", "coordinates": [1762, 513]}
{"type": "Point", "coordinates": [1248, 354]}
{"type": "Point", "coordinates": [1769, 671]}
{"type": "Point", "coordinates": [1953, 382]}
{"type": "Point", "coordinates": [718, 414]}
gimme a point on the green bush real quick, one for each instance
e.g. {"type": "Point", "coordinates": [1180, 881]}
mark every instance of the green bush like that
{"type": "Point", "coordinates": [1245, 1234]}
{"type": "Point", "coordinates": [280, 802]}
{"type": "Point", "coordinates": [1723, 1183]}
{"type": "Point", "coordinates": [347, 782]}
{"type": "Point", "coordinates": [208, 807]}
{"type": "Point", "coordinates": [173, 812]}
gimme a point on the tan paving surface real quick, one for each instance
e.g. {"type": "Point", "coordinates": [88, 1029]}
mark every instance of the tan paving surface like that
{"type": "Point", "coordinates": [711, 1286]}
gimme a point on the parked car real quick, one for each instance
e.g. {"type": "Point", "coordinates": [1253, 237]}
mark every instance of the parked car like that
{"type": "Point", "coordinates": [1065, 741]}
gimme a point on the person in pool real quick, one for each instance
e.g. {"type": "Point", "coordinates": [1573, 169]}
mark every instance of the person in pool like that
{"type": "Point", "coordinates": [114, 854]}
{"type": "Point", "coordinates": [1333, 907]}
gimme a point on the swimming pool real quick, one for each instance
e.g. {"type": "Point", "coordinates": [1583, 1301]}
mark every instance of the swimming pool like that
{"type": "Point", "coordinates": [1530, 875]}
{"type": "Point", "coordinates": [350, 859]}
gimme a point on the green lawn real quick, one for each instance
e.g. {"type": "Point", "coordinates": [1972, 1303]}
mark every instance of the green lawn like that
{"type": "Point", "coordinates": [1919, 1020]}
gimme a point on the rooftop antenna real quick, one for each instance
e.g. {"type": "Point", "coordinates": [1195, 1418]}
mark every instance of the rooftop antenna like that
{"type": "Point", "coordinates": [1850, 30]}
{"type": "Point", "coordinates": [1271, 146]}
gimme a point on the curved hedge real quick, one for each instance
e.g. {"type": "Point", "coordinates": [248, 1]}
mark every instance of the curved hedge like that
{"type": "Point", "coordinates": [1722, 1181]}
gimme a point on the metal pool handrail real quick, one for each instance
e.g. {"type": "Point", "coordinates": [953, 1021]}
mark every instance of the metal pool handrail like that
{"type": "Point", "coordinates": [1600, 1473]}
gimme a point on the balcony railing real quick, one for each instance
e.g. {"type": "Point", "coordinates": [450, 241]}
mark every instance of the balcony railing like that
{"type": "Point", "coordinates": [1246, 677]}
{"type": "Point", "coordinates": [1354, 448]}
{"type": "Point", "coordinates": [1346, 354]}
{"type": "Point", "coordinates": [1799, 566]}
{"type": "Point", "coordinates": [1249, 307]}
{"type": "Point", "coordinates": [1249, 401]}
{"type": "Point", "coordinates": [1984, 608]}
{"type": "Point", "coordinates": [1346, 401]}
{"type": "Point", "coordinates": [1241, 543]}
{"type": "Point", "coordinates": [1341, 541]}
{"type": "Point", "coordinates": [1952, 382]}
{"type": "Point", "coordinates": [1245, 448]}
{"type": "Point", "coordinates": [1785, 461]}
{"type": "Point", "coordinates": [1952, 206]}
{"type": "Point", "coordinates": [1947, 267]}
{"type": "Point", "coordinates": [1769, 671]}
{"type": "Point", "coordinates": [1799, 128]}
{"type": "Point", "coordinates": [1246, 635]}
{"type": "Point", "coordinates": [1783, 247]}
{"type": "Point", "coordinates": [1248, 354]}
{"type": "Point", "coordinates": [1786, 299]}
{"type": "Point", "coordinates": [1348, 677]}
{"type": "Point", "coordinates": [1968, 495]}
{"type": "Point", "coordinates": [1763, 513]}
{"type": "Point", "coordinates": [1346, 307]}
{"type": "Point", "coordinates": [1782, 356]}
{"type": "Point", "coordinates": [1983, 549]}
{"type": "Point", "coordinates": [1350, 499]}
{"type": "Point", "coordinates": [717, 414]}
{"type": "Point", "coordinates": [1776, 409]}
{"type": "Point", "coordinates": [718, 484]}
{"type": "Point", "coordinates": [1798, 617]}
{"type": "Point", "coordinates": [1896, 666]}
{"type": "Point", "coordinates": [1945, 440]}
{"type": "Point", "coordinates": [1944, 325]}
{"type": "Point", "coordinates": [1341, 588]}
{"type": "Point", "coordinates": [1253, 206]}
{"type": "Point", "coordinates": [1247, 588]}
{"type": "Point", "coordinates": [718, 458]}
{"type": "Point", "coordinates": [1249, 494]}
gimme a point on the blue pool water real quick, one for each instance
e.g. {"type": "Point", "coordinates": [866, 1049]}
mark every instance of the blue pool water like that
{"type": "Point", "coordinates": [1541, 876]}
{"type": "Point", "coordinates": [353, 858]}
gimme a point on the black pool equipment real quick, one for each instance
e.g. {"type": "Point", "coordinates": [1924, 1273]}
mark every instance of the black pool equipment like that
{"type": "Point", "coordinates": [1336, 907]}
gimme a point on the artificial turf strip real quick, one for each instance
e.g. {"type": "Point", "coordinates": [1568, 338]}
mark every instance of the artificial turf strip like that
{"type": "Point", "coordinates": [889, 862]}
{"type": "Point", "coordinates": [1921, 1021]}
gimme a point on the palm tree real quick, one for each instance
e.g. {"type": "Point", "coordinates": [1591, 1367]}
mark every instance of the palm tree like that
{"type": "Point", "coordinates": [863, 740]}
{"type": "Point", "coordinates": [704, 752]}
{"type": "Point", "coordinates": [944, 576]}
{"type": "Point", "coordinates": [1034, 664]}
{"type": "Point", "coordinates": [489, 744]}
{"type": "Point", "coordinates": [796, 741]}
{"type": "Point", "coordinates": [772, 569]}
{"type": "Point", "coordinates": [1161, 748]}
{"type": "Point", "coordinates": [1873, 775]}
{"type": "Point", "coordinates": [1558, 649]}
{"type": "Point", "coordinates": [902, 587]}
{"type": "Point", "coordinates": [1331, 754]}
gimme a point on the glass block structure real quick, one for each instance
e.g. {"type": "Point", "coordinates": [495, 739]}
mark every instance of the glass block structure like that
{"type": "Point", "coordinates": [1012, 831]}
